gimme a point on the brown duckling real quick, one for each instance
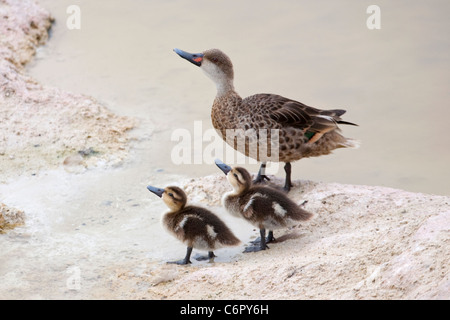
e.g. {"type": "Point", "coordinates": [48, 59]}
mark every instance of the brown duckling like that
{"type": "Point", "coordinates": [299, 131]}
{"type": "Point", "coordinates": [196, 227]}
{"type": "Point", "coordinates": [262, 206]}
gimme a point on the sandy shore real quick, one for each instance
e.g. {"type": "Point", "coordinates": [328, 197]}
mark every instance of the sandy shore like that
{"type": "Point", "coordinates": [363, 242]}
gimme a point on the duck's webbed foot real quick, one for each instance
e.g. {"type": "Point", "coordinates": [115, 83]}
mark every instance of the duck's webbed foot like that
{"type": "Point", "coordinates": [261, 177]}
{"type": "Point", "coordinates": [186, 260]}
{"type": "Point", "coordinates": [209, 257]}
{"type": "Point", "coordinates": [262, 243]}
{"type": "Point", "coordinates": [269, 239]}
{"type": "Point", "coordinates": [255, 248]}
{"type": "Point", "coordinates": [180, 262]}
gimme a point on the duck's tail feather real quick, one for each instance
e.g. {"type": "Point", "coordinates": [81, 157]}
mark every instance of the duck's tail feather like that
{"type": "Point", "coordinates": [303, 215]}
{"type": "Point", "coordinates": [346, 122]}
{"type": "Point", "coordinates": [350, 143]}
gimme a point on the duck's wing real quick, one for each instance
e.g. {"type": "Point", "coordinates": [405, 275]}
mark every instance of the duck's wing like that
{"type": "Point", "coordinates": [256, 205]}
{"type": "Point", "coordinates": [291, 113]}
{"type": "Point", "coordinates": [188, 222]}
{"type": "Point", "coordinates": [200, 222]}
{"type": "Point", "coordinates": [267, 205]}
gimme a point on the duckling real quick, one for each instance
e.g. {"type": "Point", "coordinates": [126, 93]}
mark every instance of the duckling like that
{"type": "Point", "coordinates": [194, 226]}
{"type": "Point", "coordinates": [301, 131]}
{"type": "Point", "coordinates": [262, 206]}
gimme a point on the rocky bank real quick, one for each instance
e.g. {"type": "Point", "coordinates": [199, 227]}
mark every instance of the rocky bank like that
{"type": "Point", "coordinates": [43, 127]}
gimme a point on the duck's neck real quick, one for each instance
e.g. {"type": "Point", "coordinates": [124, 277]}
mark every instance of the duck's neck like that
{"type": "Point", "coordinates": [239, 191]}
{"type": "Point", "coordinates": [173, 208]}
{"type": "Point", "coordinates": [224, 83]}
{"type": "Point", "coordinates": [224, 87]}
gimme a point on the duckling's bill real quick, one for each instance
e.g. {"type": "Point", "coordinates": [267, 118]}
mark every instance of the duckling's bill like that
{"type": "Point", "coordinates": [222, 166]}
{"type": "Point", "coordinates": [158, 191]}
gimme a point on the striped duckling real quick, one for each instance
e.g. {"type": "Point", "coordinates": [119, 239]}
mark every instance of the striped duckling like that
{"type": "Point", "coordinates": [294, 130]}
{"type": "Point", "coordinates": [262, 206]}
{"type": "Point", "coordinates": [196, 227]}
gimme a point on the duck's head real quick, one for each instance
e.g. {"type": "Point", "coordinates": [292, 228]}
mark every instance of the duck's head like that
{"type": "Point", "coordinates": [239, 178]}
{"type": "Point", "coordinates": [216, 65]}
{"type": "Point", "coordinates": [173, 197]}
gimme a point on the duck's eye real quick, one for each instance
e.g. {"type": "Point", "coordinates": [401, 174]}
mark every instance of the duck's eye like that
{"type": "Point", "coordinates": [235, 175]}
{"type": "Point", "coordinates": [171, 194]}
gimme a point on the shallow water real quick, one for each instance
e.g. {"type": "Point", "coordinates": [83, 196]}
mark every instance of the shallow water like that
{"type": "Point", "coordinates": [393, 83]}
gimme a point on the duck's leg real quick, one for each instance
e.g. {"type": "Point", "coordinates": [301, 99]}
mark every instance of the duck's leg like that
{"type": "Point", "coordinates": [187, 258]}
{"type": "Point", "coordinates": [262, 243]}
{"type": "Point", "coordinates": [287, 183]}
{"type": "Point", "coordinates": [270, 238]}
{"type": "Point", "coordinates": [210, 256]}
{"type": "Point", "coordinates": [261, 174]}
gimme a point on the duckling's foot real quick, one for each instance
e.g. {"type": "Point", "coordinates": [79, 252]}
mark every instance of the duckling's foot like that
{"type": "Point", "coordinates": [186, 260]}
{"type": "Point", "coordinates": [262, 242]}
{"type": "Point", "coordinates": [210, 256]}
{"type": "Point", "coordinates": [180, 262]}
{"type": "Point", "coordinates": [255, 248]}
{"type": "Point", "coordinates": [269, 239]}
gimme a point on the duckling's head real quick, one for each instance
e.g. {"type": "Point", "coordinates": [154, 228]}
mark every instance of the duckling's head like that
{"type": "Point", "coordinates": [216, 65]}
{"type": "Point", "coordinates": [239, 178]}
{"type": "Point", "coordinates": [173, 197]}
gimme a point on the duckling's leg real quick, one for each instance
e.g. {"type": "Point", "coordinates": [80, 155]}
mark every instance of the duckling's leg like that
{"type": "Point", "coordinates": [261, 174]}
{"type": "Point", "coordinates": [187, 258]}
{"type": "Point", "coordinates": [270, 238]}
{"type": "Point", "coordinates": [262, 245]}
{"type": "Point", "coordinates": [287, 183]}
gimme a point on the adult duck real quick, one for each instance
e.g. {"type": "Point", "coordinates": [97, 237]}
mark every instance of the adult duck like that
{"type": "Point", "coordinates": [268, 127]}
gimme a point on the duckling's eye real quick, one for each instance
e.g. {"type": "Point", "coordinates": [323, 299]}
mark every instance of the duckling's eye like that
{"type": "Point", "coordinates": [235, 175]}
{"type": "Point", "coordinates": [171, 194]}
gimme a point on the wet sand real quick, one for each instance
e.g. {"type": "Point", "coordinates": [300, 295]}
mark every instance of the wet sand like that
{"type": "Point", "coordinates": [77, 167]}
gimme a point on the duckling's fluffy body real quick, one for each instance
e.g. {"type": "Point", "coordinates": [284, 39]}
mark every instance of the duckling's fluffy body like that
{"type": "Point", "coordinates": [262, 206]}
{"type": "Point", "coordinates": [198, 228]}
{"type": "Point", "coordinates": [194, 226]}
{"type": "Point", "coordinates": [265, 208]}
